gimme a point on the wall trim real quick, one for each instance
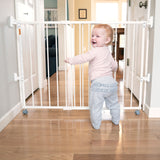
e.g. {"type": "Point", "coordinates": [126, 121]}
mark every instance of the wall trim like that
{"type": "Point", "coordinates": [9, 116]}
{"type": "Point", "coordinates": [152, 112]}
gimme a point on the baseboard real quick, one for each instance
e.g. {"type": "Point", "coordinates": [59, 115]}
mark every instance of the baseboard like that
{"type": "Point", "coordinates": [9, 116]}
{"type": "Point", "coordinates": [152, 112]}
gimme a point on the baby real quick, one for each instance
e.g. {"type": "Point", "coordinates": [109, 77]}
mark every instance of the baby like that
{"type": "Point", "coordinates": [101, 68]}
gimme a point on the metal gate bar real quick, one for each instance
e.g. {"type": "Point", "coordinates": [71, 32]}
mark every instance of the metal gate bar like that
{"type": "Point", "coordinates": [81, 67]}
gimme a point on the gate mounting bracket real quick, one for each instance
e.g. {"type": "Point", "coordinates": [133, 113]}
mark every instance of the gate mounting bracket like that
{"type": "Point", "coordinates": [150, 22]}
{"type": "Point", "coordinates": [11, 21]}
{"type": "Point", "coordinates": [147, 78]}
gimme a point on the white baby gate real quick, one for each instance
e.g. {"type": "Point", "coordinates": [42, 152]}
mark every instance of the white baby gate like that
{"type": "Point", "coordinates": [64, 90]}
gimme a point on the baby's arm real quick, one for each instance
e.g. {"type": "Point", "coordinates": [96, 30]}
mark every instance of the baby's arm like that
{"type": "Point", "coordinates": [114, 65]}
{"type": "Point", "coordinates": [79, 59]}
{"type": "Point", "coordinates": [66, 60]}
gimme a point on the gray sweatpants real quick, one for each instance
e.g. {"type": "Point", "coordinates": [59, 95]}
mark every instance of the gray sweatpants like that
{"type": "Point", "coordinates": [103, 89]}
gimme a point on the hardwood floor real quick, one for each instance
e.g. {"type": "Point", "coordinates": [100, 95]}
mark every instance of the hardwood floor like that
{"type": "Point", "coordinates": [67, 135]}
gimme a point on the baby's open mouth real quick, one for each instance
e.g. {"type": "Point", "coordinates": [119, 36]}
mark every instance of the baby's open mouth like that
{"type": "Point", "coordinates": [94, 42]}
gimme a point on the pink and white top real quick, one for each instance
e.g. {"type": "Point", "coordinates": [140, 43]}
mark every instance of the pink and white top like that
{"type": "Point", "coordinates": [101, 62]}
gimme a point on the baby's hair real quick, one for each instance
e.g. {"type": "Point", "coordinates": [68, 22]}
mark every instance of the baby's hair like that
{"type": "Point", "coordinates": [108, 29]}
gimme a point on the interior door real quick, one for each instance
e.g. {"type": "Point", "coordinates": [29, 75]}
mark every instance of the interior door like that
{"type": "Point", "coordinates": [133, 54]}
{"type": "Point", "coordinates": [25, 12]}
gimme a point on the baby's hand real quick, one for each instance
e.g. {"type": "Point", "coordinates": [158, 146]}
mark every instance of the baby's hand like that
{"type": "Point", "coordinates": [66, 60]}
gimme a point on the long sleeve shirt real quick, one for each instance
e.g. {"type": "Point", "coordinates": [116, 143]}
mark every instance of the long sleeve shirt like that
{"type": "Point", "coordinates": [101, 62]}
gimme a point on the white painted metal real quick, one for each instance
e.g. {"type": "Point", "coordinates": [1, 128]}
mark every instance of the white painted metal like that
{"type": "Point", "coordinates": [72, 107]}
{"type": "Point", "coordinates": [132, 66]}
{"type": "Point", "coordinates": [74, 70]}
{"type": "Point", "coordinates": [89, 45]}
{"type": "Point", "coordinates": [60, 107]}
{"type": "Point", "coordinates": [80, 66]}
{"type": "Point", "coordinates": [31, 67]}
{"type": "Point", "coordinates": [124, 59]}
{"type": "Point", "coordinates": [142, 67]}
{"type": "Point", "coordinates": [150, 25]}
{"type": "Point", "coordinates": [49, 90]}
{"type": "Point", "coordinates": [65, 53]}
{"type": "Point", "coordinates": [81, 75]}
{"type": "Point", "coordinates": [80, 22]}
{"type": "Point", "coordinates": [73, 67]}
{"type": "Point", "coordinates": [57, 70]}
{"type": "Point", "coordinates": [20, 65]}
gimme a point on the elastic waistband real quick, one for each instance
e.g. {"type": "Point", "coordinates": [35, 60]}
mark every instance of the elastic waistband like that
{"type": "Point", "coordinates": [104, 80]}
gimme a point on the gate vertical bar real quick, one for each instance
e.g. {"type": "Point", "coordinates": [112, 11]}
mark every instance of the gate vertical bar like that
{"type": "Point", "coordinates": [132, 66]}
{"type": "Point", "coordinates": [124, 59]}
{"type": "Point", "coordinates": [89, 37]}
{"type": "Point", "coordinates": [65, 56]}
{"type": "Point", "coordinates": [71, 97]}
{"type": "Point", "coordinates": [57, 68]}
{"type": "Point", "coordinates": [74, 66]}
{"type": "Point", "coordinates": [147, 52]}
{"type": "Point", "coordinates": [146, 66]}
{"type": "Point", "coordinates": [39, 26]}
{"type": "Point", "coordinates": [142, 66]}
{"type": "Point", "coordinates": [80, 64]}
{"type": "Point", "coordinates": [31, 66]}
{"type": "Point", "coordinates": [21, 67]}
{"type": "Point", "coordinates": [49, 96]}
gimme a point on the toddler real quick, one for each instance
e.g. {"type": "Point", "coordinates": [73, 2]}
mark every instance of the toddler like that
{"type": "Point", "coordinates": [101, 68]}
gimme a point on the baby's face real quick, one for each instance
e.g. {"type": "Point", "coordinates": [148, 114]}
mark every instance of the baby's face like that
{"type": "Point", "coordinates": [98, 37]}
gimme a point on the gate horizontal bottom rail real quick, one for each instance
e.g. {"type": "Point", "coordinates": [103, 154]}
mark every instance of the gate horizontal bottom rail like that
{"type": "Point", "coordinates": [73, 107]}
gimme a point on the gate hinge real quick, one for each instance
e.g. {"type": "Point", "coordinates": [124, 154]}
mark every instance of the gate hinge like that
{"type": "Point", "coordinates": [17, 78]}
{"type": "Point", "coordinates": [147, 78]}
{"type": "Point", "coordinates": [150, 22]}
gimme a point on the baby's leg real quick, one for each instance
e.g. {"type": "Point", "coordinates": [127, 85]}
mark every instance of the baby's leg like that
{"type": "Point", "coordinates": [112, 102]}
{"type": "Point", "coordinates": [96, 104]}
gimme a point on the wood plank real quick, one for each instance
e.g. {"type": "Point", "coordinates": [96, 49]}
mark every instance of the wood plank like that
{"type": "Point", "coordinates": [115, 157]}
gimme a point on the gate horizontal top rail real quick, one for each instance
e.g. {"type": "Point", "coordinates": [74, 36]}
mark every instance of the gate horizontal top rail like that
{"type": "Point", "coordinates": [13, 21]}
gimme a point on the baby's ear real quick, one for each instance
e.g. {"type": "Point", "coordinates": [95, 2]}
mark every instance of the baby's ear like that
{"type": "Point", "coordinates": [108, 40]}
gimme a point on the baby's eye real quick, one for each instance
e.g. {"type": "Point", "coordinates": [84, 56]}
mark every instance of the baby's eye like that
{"type": "Point", "coordinates": [97, 36]}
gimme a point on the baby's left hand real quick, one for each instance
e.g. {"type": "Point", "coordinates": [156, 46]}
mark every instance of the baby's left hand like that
{"type": "Point", "coordinates": [66, 60]}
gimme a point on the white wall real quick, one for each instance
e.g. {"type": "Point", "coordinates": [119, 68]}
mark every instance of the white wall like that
{"type": "Point", "coordinates": [9, 90]}
{"type": "Point", "coordinates": [10, 104]}
{"type": "Point", "coordinates": [153, 108]}
{"type": "Point", "coordinates": [156, 59]}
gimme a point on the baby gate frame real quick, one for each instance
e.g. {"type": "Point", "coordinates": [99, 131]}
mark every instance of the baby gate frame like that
{"type": "Point", "coordinates": [144, 77]}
